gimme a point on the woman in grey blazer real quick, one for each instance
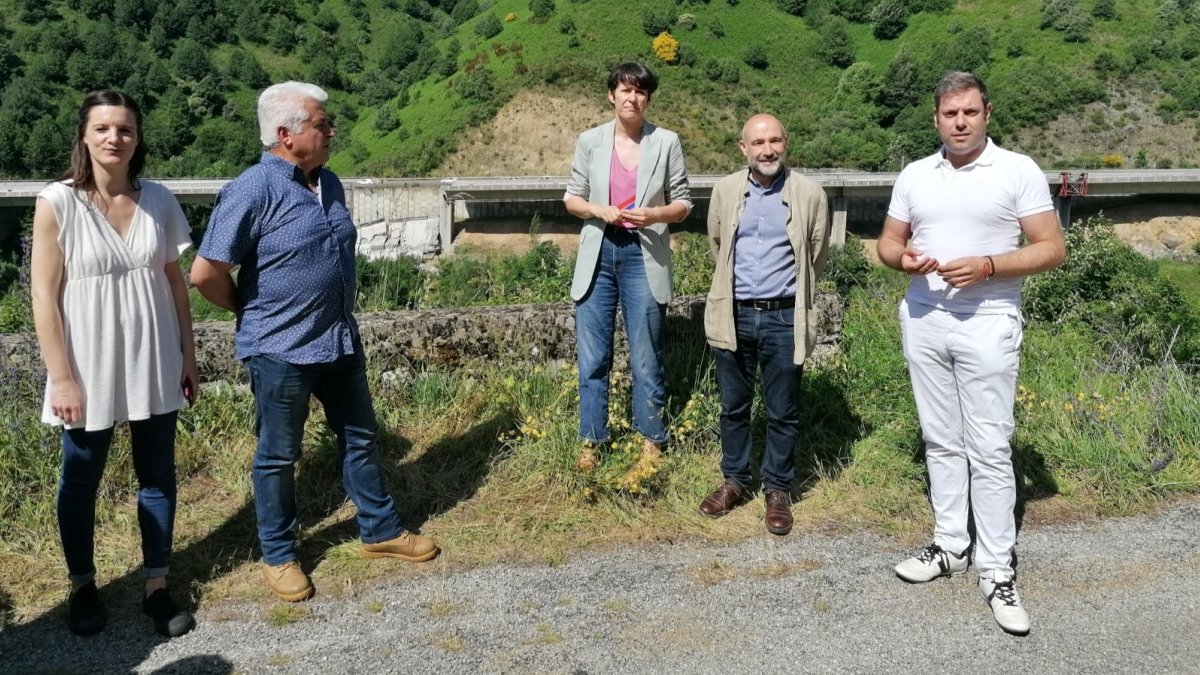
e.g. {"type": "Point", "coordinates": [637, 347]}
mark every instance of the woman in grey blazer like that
{"type": "Point", "coordinates": [628, 181]}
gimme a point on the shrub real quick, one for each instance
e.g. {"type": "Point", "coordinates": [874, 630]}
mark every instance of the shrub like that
{"type": "Point", "coordinates": [566, 26]}
{"type": "Point", "coordinates": [540, 10]}
{"type": "Point", "coordinates": [890, 18]}
{"type": "Point", "coordinates": [836, 47]}
{"type": "Point", "coordinates": [848, 266]}
{"type": "Point", "coordinates": [665, 47]}
{"type": "Point", "coordinates": [755, 57]}
{"type": "Point", "coordinates": [1112, 161]}
{"type": "Point", "coordinates": [1105, 10]}
{"type": "Point", "coordinates": [1107, 286]}
{"type": "Point", "coordinates": [656, 21]}
{"type": "Point", "coordinates": [510, 17]}
{"type": "Point", "coordinates": [388, 284]}
{"type": "Point", "coordinates": [489, 26]}
{"type": "Point", "coordinates": [686, 21]}
{"type": "Point", "coordinates": [793, 7]}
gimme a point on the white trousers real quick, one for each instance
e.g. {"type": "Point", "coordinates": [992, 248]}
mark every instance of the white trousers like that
{"type": "Point", "coordinates": [963, 369]}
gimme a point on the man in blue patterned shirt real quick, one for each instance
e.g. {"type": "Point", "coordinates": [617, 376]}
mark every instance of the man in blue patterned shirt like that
{"type": "Point", "coordinates": [284, 224]}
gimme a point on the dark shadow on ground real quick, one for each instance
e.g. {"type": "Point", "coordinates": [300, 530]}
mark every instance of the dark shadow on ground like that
{"type": "Point", "coordinates": [445, 474]}
{"type": "Point", "coordinates": [828, 431]}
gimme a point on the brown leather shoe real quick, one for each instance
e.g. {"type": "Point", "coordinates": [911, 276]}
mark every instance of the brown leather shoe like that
{"type": "Point", "coordinates": [779, 512]}
{"type": "Point", "coordinates": [724, 498]}
{"type": "Point", "coordinates": [408, 547]}
{"type": "Point", "coordinates": [288, 582]}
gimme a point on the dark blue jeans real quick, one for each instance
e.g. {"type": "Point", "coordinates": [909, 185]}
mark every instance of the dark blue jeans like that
{"type": "Point", "coordinates": [620, 280]}
{"type": "Point", "coordinates": [281, 396]}
{"type": "Point", "coordinates": [765, 339]}
{"type": "Point", "coordinates": [84, 456]}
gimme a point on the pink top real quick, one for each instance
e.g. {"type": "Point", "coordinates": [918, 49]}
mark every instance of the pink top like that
{"type": "Point", "coordinates": [622, 188]}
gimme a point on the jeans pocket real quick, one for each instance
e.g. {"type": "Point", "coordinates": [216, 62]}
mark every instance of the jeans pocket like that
{"type": "Point", "coordinates": [786, 317]}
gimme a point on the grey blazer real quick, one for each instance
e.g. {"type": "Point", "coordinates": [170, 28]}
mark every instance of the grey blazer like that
{"type": "Point", "coordinates": [662, 179]}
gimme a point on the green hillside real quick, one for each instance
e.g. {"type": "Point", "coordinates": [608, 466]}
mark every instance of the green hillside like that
{"type": "Point", "coordinates": [851, 78]}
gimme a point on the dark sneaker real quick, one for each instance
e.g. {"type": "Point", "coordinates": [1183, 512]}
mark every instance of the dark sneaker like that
{"type": "Point", "coordinates": [170, 620]}
{"type": "Point", "coordinates": [87, 613]}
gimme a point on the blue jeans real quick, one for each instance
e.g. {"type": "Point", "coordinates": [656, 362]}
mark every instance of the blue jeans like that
{"type": "Point", "coordinates": [620, 279]}
{"type": "Point", "coordinates": [281, 395]}
{"type": "Point", "coordinates": [765, 339]}
{"type": "Point", "coordinates": [152, 444]}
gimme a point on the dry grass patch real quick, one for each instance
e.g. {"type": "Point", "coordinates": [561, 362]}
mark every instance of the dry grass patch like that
{"type": "Point", "coordinates": [286, 614]}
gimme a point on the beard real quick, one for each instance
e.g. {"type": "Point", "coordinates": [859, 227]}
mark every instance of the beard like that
{"type": "Point", "coordinates": [769, 169]}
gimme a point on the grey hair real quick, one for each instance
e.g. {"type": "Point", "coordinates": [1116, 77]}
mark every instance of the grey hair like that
{"type": "Point", "coordinates": [958, 81]}
{"type": "Point", "coordinates": [282, 105]}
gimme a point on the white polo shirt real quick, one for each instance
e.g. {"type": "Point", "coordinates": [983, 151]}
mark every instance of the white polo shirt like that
{"type": "Point", "coordinates": [969, 211]}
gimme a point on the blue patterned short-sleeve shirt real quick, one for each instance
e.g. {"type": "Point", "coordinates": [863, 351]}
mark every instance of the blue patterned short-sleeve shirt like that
{"type": "Point", "coordinates": [295, 247]}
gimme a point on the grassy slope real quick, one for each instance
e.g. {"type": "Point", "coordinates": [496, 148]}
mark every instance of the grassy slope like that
{"type": "Point", "coordinates": [795, 84]}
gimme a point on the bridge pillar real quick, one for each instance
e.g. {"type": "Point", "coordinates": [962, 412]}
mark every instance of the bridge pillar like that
{"type": "Point", "coordinates": [446, 224]}
{"type": "Point", "coordinates": [837, 235]}
{"type": "Point", "coordinates": [1064, 211]}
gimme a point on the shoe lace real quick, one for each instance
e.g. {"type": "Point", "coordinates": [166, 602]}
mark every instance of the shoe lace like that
{"type": "Point", "coordinates": [1007, 592]}
{"type": "Point", "coordinates": [929, 553]}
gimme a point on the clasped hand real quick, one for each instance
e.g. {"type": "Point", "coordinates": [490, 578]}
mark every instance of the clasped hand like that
{"type": "Point", "coordinates": [958, 273]}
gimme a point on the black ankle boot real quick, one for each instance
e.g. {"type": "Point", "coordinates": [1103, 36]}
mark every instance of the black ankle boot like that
{"type": "Point", "coordinates": [87, 613]}
{"type": "Point", "coordinates": [170, 620]}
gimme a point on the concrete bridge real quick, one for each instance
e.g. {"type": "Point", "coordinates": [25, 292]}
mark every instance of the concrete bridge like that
{"type": "Point", "coordinates": [423, 211]}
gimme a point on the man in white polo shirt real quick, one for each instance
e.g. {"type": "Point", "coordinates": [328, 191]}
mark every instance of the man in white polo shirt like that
{"type": "Point", "coordinates": [954, 225]}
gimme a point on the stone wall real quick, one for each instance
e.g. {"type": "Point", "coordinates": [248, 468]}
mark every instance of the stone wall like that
{"type": "Point", "coordinates": [516, 333]}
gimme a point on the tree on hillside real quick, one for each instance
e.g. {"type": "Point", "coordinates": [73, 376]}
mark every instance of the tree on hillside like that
{"type": "Point", "coordinates": [657, 21]}
{"type": "Point", "coordinates": [190, 60]}
{"type": "Point", "coordinates": [793, 7]}
{"type": "Point", "coordinates": [1105, 10]}
{"type": "Point", "coordinates": [9, 62]}
{"type": "Point", "coordinates": [540, 10]}
{"type": "Point", "coordinates": [245, 68]}
{"type": "Point", "coordinates": [890, 18]}
{"type": "Point", "coordinates": [489, 26]}
{"type": "Point", "coordinates": [836, 47]}
{"type": "Point", "coordinates": [401, 47]}
{"type": "Point", "coordinates": [901, 84]}
{"type": "Point", "coordinates": [1067, 17]}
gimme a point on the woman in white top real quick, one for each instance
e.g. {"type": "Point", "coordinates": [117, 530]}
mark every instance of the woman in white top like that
{"type": "Point", "coordinates": [114, 325]}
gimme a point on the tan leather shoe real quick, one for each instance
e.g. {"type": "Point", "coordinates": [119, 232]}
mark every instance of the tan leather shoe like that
{"type": "Point", "coordinates": [588, 461]}
{"type": "Point", "coordinates": [288, 582]}
{"type": "Point", "coordinates": [408, 547]}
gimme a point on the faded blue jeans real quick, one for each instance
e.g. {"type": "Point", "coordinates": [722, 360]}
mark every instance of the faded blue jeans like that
{"type": "Point", "coordinates": [620, 280]}
{"type": "Point", "coordinates": [281, 395]}
{"type": "Point", "coordinates": [152, 444]}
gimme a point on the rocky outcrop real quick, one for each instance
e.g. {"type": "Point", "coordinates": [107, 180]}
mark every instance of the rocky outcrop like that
{"type": "Point", "coordinates": [515, 333]}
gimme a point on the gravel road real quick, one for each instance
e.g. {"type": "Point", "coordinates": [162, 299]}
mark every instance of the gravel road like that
{"type": "Point", "coordinates": [1117, 596]}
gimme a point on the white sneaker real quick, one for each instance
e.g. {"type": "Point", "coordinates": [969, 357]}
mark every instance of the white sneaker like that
{"type": "Point", "coordinates": [932, 562]}
{"type": "Point", "coordinates": [1001, 594]}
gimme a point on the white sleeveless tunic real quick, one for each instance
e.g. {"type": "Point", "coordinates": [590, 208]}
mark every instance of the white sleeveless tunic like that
{"type": "Point", "coordinates": [120, 324]}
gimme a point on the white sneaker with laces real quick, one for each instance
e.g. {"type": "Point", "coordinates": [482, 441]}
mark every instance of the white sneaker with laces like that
{"type": "Point", "coordinates": [1000, 593]}
{"type": "Point", "coordinates": [932, 562]}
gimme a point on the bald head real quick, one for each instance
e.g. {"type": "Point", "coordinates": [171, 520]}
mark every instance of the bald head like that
{"type": "Point", "coordinates": [764, 143]}
{"type": "Point", "coordinates": [763, 123]}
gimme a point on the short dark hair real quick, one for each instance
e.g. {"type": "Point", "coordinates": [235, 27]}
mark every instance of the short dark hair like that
{"type": "Point", "coordinates": [634, 74]}
{"type": "Point", "coordinates": [955, 82]}
{"type": "Point", "coordinates": [79, 172]}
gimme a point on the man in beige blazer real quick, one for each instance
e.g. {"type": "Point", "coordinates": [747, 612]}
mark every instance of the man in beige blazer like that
{"type": "Point", "coordinates": [769, 230]}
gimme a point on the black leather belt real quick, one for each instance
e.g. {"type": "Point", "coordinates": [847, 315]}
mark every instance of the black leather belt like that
{"type": "Point", "coordinates": [771, 304]}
